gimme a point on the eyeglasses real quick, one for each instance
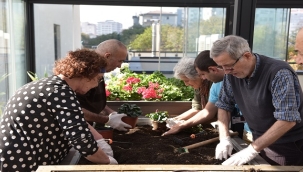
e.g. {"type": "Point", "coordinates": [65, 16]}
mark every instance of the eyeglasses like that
{"type": "Point", "coordinates": [231, 67]}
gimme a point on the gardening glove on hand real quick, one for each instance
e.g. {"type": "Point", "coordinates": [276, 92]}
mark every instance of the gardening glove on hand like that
{"type": "Point", "coordinates": [242, 157]}
{"type": "Point", "coordinates": [105, 147]}
{"type": "Point", "coordinates": [115, 121]}
{"type": "Point", "coordinates": [170, 122]}
{"type": "Point", "coordinates": [112, 160]}
{"type": "Point", "coordinates": [224, 148]}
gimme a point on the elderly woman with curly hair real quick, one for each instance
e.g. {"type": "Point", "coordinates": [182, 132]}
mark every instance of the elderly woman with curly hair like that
{"type": "Point", "coordinates": [43, 120]}
{"type": "Point", "coordinates": [185, 71]}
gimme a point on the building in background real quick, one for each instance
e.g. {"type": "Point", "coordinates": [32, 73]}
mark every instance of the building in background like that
{"type": "Point", "coordinates": [108, 27]}
{"type": "Point", "coordinates": [136, 21]}
{"type": "Point", "coordinates": [167, 18]}
{"type": "Point", "coordinates": [89, 29]}
{"type": "Point", "coordinates": [55, 36]}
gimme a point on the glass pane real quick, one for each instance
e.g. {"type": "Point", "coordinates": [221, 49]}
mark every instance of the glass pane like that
{"type": "Point", "coordinates": [275, 33]}
{"type": "Point", "coordinates": [203, 27]}
{"type": "Point", "coordinates": [12, 50]}
{"type": "Point", "coordinates": [156, 37]}
{"type": "Point", "coordinates": [57, 31]}
{"type": "Point", "coordinates": [296, 22]}
{"type": "Point", "coordinates": [271, 32]}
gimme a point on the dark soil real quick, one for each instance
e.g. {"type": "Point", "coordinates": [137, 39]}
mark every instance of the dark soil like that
{"type": "Point", "coordinates": [149, 147]}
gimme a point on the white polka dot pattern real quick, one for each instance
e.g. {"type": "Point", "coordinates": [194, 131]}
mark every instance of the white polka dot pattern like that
{"type": "Point", "coordinates": [40, 124]}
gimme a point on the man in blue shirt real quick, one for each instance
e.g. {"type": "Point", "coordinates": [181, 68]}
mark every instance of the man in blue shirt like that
{"type": "Point", "coordinates": [270, 97]}
{"type": "Point", "coordinates": [206, 69]}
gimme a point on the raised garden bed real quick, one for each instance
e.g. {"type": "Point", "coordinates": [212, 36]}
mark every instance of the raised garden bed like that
{"type": "Point", "coordinates": [149, 147]}
{"type": "Point", "coordinates": [152, 152]}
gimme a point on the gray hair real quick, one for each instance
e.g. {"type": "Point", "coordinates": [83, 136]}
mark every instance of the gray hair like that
{"type": "Point", "coordinates": [234, 45]}
{"type": "Point", "coordinates": [110, 46]}
{"type": "Point", "coordinates": [185, 67]}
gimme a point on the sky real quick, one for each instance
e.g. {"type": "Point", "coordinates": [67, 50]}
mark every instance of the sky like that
{"type": "Point", "coordinates": [121, 14]}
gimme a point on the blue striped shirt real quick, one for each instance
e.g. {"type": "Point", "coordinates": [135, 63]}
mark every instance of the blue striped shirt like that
{"type": "Point", "coordinates": [285, 91]}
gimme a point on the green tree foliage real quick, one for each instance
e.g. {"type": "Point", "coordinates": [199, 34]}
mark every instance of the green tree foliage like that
{"type": "Point", "coordinates": [213, 25]}
{"type": "Point", "coordinates": [171, 39]}
{"type": "Point", "coordinates": [142, 42]}
{"type": "Point", "coordinates": [126, 36]}
{"type": "Point", "coordinates": [268, 41]}
{"type": "Point", "coordinates": [130, 34]}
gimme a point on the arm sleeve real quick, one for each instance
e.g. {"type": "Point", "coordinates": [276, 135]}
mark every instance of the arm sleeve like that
{"type": "Point", "coordinates": [196, 102]}
{"type": "Point", "coordinates": [66, 109]}
{"type": "Point", "coordinates": [214, 92]}
{"type": "Point", "coordinates": [286, 96]}
{"type": "Point", "coordinates": [226, 99]}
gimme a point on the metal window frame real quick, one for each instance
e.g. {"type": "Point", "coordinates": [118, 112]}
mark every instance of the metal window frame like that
{"type": "Point", "coordinates": [239, 19]}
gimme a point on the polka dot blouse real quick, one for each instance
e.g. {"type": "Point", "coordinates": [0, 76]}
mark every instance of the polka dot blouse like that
{"type": "Point", "coordinates": [41, 122]}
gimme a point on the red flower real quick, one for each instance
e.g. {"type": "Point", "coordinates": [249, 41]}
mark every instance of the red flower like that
{"type": "Point", "coordinates": [107, 93]}
{"type": "Point", "coordinates": [140, 90]}
{"type": "Point", "coordinates": [127, 88]}
{"type": "Point", "coordinates": [132, 80]}
{"type": "Point", "coordinates": [150, 93]}
{"type": "Point", "coordinates": [153, 85]}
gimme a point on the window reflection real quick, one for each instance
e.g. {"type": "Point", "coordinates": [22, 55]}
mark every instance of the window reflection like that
{"type": "Point", "coordinates": [275, 32]}
{"type": "Point", "coordinates": [12, 49]}
{"type": "Point", "coordinates": [158, 36]}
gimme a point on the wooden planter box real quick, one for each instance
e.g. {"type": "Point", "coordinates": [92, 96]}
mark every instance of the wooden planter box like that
{"type": "Point", "coordinates": [174, 108]}
{"type": "Point", "coordinates": [171, 168]}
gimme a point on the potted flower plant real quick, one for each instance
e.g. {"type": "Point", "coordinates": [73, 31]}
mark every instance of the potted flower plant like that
{"type": "Point", "coordinates": [132, 111]}
{"type": "Point", "coordinates": [158, 119]}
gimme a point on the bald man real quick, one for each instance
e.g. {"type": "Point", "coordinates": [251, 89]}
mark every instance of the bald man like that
{"type": "Point", "coordinates": [94, 101]}
{"type": "Point", "coordinates": [299, 47]}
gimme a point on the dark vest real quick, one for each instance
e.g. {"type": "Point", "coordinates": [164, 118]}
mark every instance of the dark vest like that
{"type": "Point", "coordinates": [95, 99]}
{"type": "Point", "coordinates": [255, 99]}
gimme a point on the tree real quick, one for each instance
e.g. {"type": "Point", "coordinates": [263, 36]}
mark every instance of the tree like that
{"type": "Point", "coordinates": [130, 34]}
{"type": "Point", "coordinates": [126, 36]}
{"type": "Point", "coordinates": [171, 38]}
{"type": "Point", "coordinates": [143, 42]}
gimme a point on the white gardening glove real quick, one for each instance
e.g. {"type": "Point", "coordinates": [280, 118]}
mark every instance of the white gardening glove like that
{"type": "Point", "coordinates": [170, 122]}
{"type": "Point", "coordinates": [242, 157]}
{"type": "Point", "coordinates": [224, 148]}
{"type": "Point", "coordinates": [112, 160]}
{"type": "Point", "coordinates": [105, 147]}
{"type": "Point", "coordinates": [115, 121]}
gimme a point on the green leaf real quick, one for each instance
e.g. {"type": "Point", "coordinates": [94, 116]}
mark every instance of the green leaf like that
{"type": "Point", "coordinates": [32, 75]}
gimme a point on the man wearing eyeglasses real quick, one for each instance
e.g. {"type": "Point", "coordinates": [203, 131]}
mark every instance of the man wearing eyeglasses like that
{"type": "Point", "coordinates": [299, 47]}
{"type": "Point", "coordinates": [270, 98]}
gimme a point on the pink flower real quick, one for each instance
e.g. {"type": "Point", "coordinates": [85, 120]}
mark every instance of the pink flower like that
{"type": "Point", "coordinates": [132, 80]}
{"type": "Point", "coordinates": [153, 85]}
{"type": "Point", "coordinates": [127, 88]}
{"type": "Point", "coordinates": [150, 93]}
{"type": "Point", "coordinates": [107, 93]}
{"type": "Point", "coordinates": [140, 90]}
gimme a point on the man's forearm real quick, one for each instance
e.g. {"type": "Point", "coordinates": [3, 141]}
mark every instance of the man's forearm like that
{"type": "Point", "coordinates": [223, 123]}
{"type": "Point", "coordinates": [93, 117]}
{"type": "Point", "coordinates": [203, 116]}
{"type": "Point", "coordinates": [277, 130]}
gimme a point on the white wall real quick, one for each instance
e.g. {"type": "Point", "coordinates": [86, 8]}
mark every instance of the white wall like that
{"type": "Point", "coordinates": [46, 15]}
